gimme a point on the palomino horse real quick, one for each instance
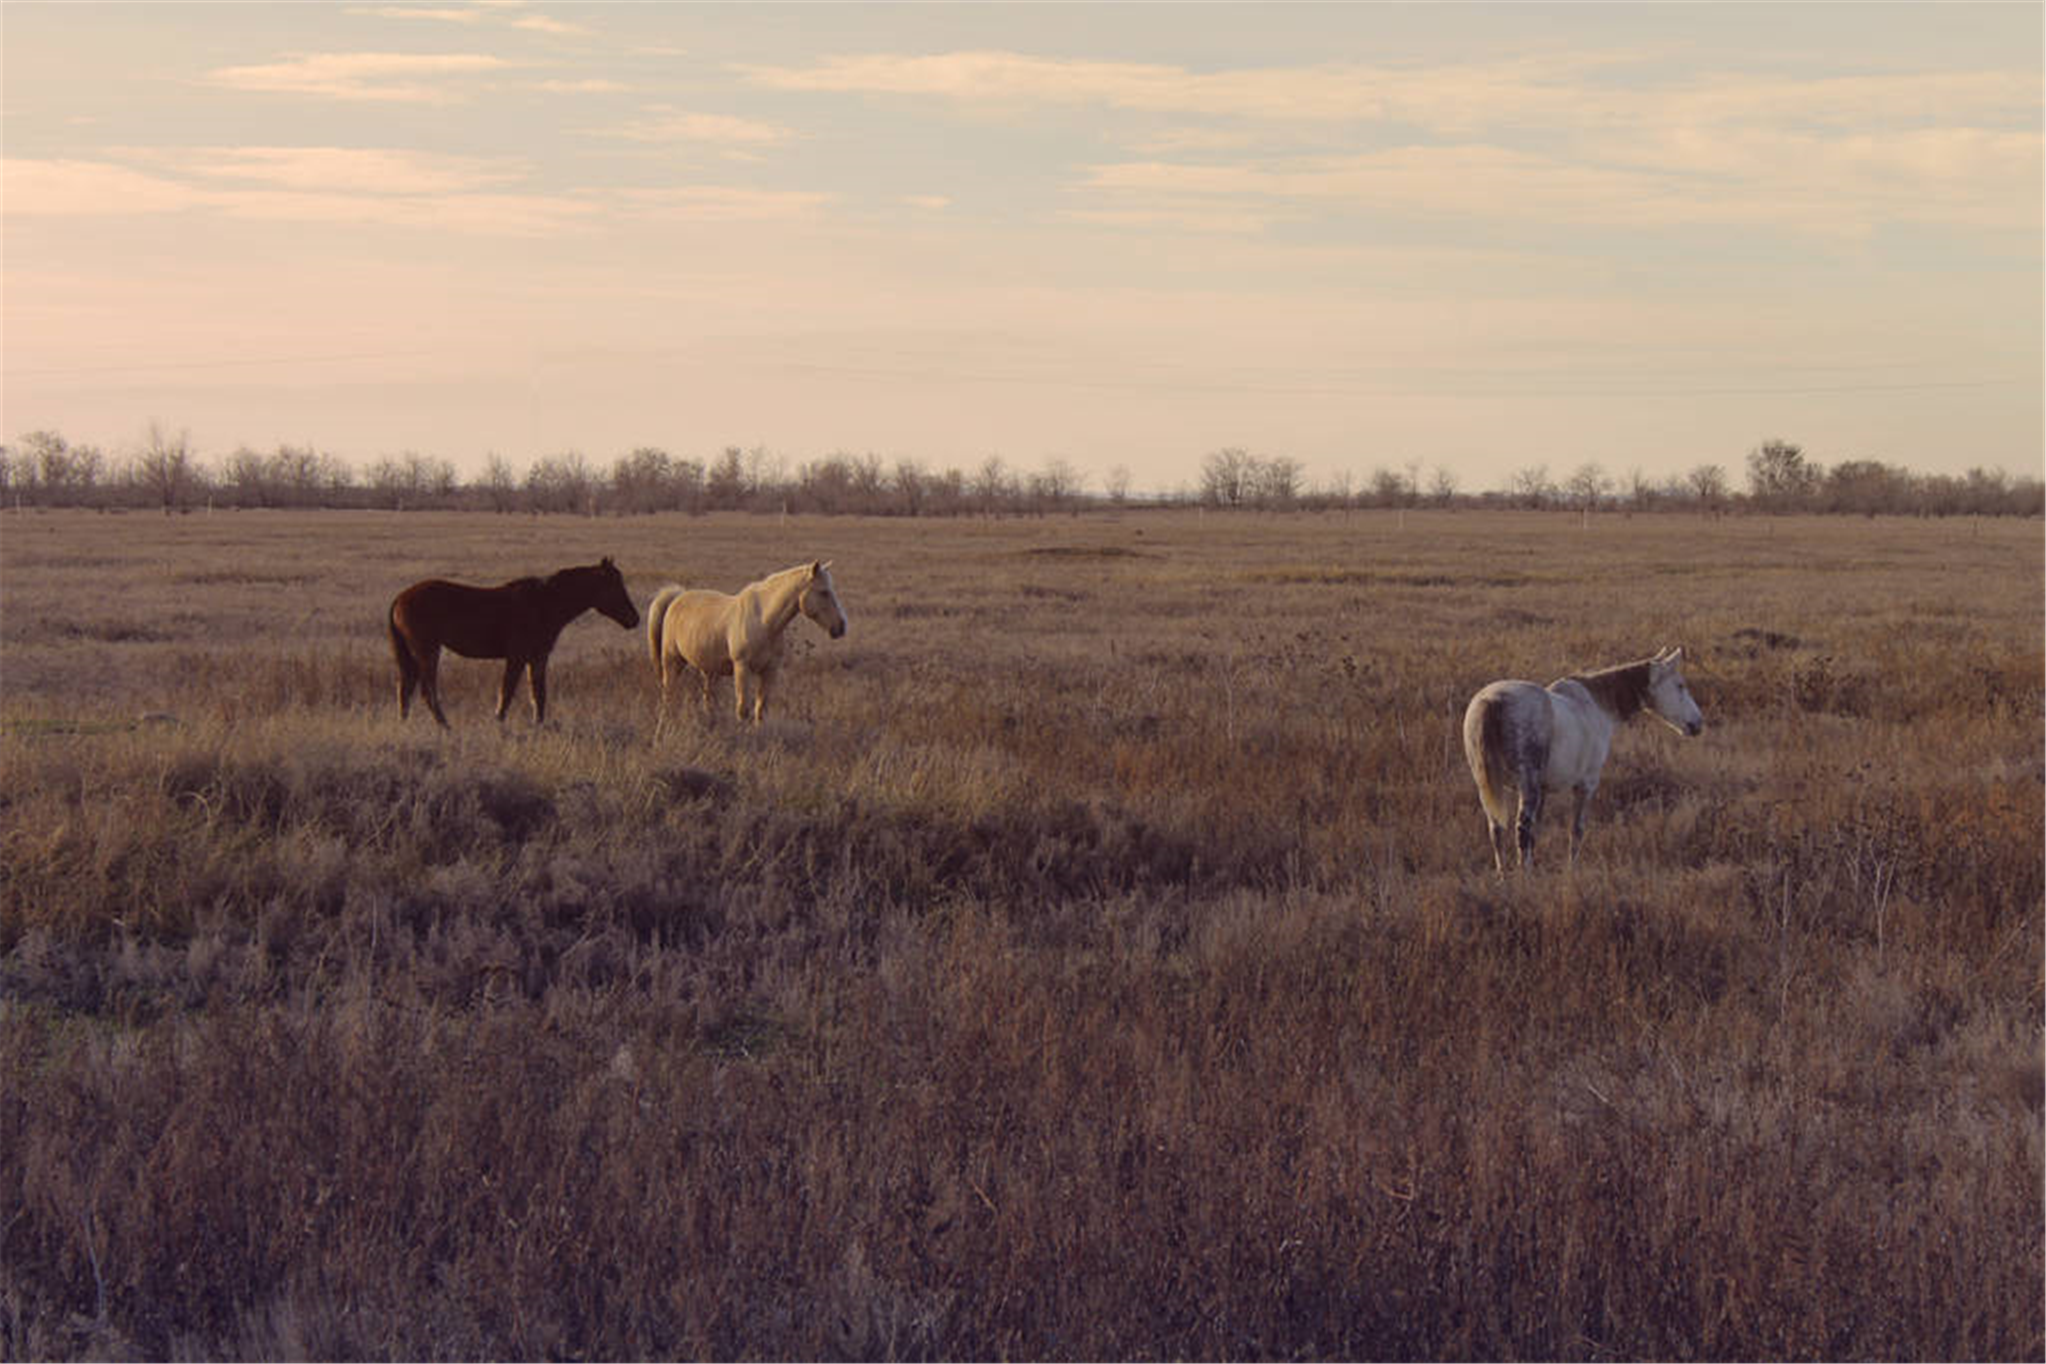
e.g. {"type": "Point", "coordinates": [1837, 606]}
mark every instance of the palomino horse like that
{"type": "Point", "coordinates": [517, 622]}
{"type": "Point", "coordinates": [1524, 740]}
{"type": "Point", "coordinates": [741, 635]}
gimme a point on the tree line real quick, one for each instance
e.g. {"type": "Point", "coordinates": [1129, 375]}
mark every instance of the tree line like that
{"type": "Point", "coordinates": [43, 469]}
{"type": "Point", "coordinates": [1780, 479]}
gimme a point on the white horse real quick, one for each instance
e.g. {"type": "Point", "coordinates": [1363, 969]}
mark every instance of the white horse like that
{"type": "Point", "coordinates": [1524, 740]}
{"type": "Point", "coordinates": [741, 635]}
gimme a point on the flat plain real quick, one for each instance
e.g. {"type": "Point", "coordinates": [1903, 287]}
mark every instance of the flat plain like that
{"type": "Point", "coordinates": [1096, 954]}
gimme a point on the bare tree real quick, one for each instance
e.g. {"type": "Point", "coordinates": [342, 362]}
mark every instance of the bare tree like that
{"type": "Point", "coordinates": [432, 477]}
{"type": "Point", "coordinates": [725, 484]}
{"type": "Point", "coordinates": [910, 487]}
{"type": "Point", "coordinates": [826, 485]}
{"type": "Point", "coordinates": [1277, 481]}
{"type": "Point", "coordinates": [1530, 485]}
{"type": "Point", "coordinates": [560, 482]}
{"type": "Point", "coordinates": [500, 484]}
{"type": "Point", "coordinates": [1588, 484]}
{"type": "Point", "coordinates": [1866, 486]}
{"type": "Point", "coordinates": [42, 465]}
{"type": "Point", "coordinates": [249, 474]}
{"type": "Point", "coordinates": [870, 483]}
{"type": "Point", "coordinates": [642, 481]}
{"type": "Point", "coordinates": [1062, 483]}
{"type": "Point", "coordinates": [1995, 491]}
{"type": "Point", "coordinates": [1779, 476]}
{"type": "Point", "coordinates": [764, 471]}
{"type": "Point", "coordinates": [1117, 485]}
{"type": "Point", "coordinates": [302, 477]}
{"type": "Point", "coordinates": [991, 484]}
{"type": "Point", "coordinates": [387, 483]}
{"type": "Point", "coordinates": [166, 466]}
{"type": "Point", "coordinates": [1225, 477]}
{"type": "Point", "coordinates": [1708, 486]}
{"type": "Point", "coordinates": [946, 492]}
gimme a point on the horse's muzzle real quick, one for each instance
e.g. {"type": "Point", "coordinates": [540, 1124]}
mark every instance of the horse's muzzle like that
{"type": "Point", "coordinates": [1694, 728]}
{"type": "Point", "coordinates": [838, 630]}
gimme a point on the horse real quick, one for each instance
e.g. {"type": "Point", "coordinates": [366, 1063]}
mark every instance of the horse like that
{"type": "Point", "coordinates": [1526, 740]}
{"type": "Point", "coordinates": [517, 621]}
{"type": "Point", "coordinates": [718, 634]}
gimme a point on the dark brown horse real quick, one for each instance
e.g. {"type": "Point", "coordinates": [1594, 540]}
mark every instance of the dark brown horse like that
{"type": "Point", "coordinates": [517, 622]}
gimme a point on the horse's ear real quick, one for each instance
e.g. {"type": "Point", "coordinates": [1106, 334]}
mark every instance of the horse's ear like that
{"type": "Point", "coordinates": [816, 567]}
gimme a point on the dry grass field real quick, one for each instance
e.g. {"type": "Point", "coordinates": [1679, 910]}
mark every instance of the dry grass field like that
{"type": "Point", "coordinates": [1097, 954]}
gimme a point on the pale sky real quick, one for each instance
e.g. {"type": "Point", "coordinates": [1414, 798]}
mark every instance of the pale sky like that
{"type": "Point", "coordinates": [1470, 237]}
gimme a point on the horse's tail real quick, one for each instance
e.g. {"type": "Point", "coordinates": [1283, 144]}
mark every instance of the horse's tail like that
{"type": "Point", "coordinates": [401, 649]}
{"type": "Point", "coordinates": [657, 619]}
{"type": "Point", "coordinates": [1489, 750]}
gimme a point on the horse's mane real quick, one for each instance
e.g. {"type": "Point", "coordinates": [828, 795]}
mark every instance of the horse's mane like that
{"type": "Point", "coordinates": [562, 575]}
{"type": "Point", "coordinates": [1621, 689]}
{"type": "Point", "coordinates": [760, 586]}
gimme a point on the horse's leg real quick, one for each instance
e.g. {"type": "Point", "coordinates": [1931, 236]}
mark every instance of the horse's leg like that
{"type": "Point", "coordinates": [429, 683]}
{"type": "Point", "coordinates": [739, 679]}
{"type": "Point", "coordinates": [1531, 796]}
{"type": "Point", "coordinates": [1581, 805]}
{"type": "Point", "coordinates": [761, 681]}
{"type": "Point", "coordinates": [1501, 841]}
{"type": "Point", "coordinates": [538, 674]}
{"type": "Point", "coordinates": [509, 687]}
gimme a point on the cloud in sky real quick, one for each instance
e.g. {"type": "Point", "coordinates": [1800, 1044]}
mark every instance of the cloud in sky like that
{"type": "Point", "coordinates": [1352, 234]}
{"type": "Point", "coordinates": [665, 123]}
{"type": "Point", "coordinates": [404, 77]}
{"type": "Point", "coordinates": [595, 85]}
{"type": "Point", "coordinates": [444, 15]}
{"type": "Point", "coordinates": [1843, 186]}
{"type": "Point", "coordinates": [371, 170]}
{"type": "Point", "coordinates": [63, 189]}
{"type": "Point", "coordinates": [472, 15]}
{"type": "Point", "coordinates": [1722, 149]}
{"type": "Point", "coordinates": [1581, 90]}
{"type": "Point", "coordinates": [344, 186]}
{"type": "Point", "coordinates": [721, 203]}
{"type": "Point", "coordinates": [540, 23]}
{"type": "Point", "coordinates": [1452, 96]}
{"type": "Point", "coordinates": [326, 186]}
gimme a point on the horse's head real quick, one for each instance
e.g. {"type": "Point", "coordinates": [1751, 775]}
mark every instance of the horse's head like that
{"type": "Point", "coordinates": [820, 600]}
{"type": "Point", "coordinates": [1668, 698]}
{"type": "Point", "coordinates": [610, 595]}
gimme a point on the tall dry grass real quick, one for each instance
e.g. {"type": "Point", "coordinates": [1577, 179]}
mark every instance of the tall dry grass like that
{"type": "Point", "coordinates": [1098, 955]}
